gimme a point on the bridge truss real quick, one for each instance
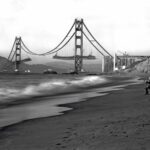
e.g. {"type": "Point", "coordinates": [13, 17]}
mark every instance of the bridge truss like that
{"type": "Point", "coordinates": [79, 29]}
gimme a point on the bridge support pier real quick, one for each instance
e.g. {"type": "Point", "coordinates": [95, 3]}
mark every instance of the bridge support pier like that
{"type": "Point", "coordinates": [108, 64]}
{"type": "Point", "coordinates": [103, 64]}
{"type": "Point", "coordinates": [78, 45]}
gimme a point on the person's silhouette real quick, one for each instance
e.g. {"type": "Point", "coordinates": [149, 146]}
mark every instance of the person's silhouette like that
{"type": "Point", "coordinates": [147, 86]}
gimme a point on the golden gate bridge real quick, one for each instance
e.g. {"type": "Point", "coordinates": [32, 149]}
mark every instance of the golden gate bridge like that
{"type": "Point", "coordinates": [78, 31]}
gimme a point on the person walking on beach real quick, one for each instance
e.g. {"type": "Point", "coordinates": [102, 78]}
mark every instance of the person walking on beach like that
{"type": "Point", "coordinates": [147, 86]}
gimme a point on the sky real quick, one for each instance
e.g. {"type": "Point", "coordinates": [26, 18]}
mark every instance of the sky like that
{"type": "Point", "coordinates": [119, 25]}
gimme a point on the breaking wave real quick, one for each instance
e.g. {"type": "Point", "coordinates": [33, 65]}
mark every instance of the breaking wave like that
{"type": "Point", "coordinates": [50, 87]}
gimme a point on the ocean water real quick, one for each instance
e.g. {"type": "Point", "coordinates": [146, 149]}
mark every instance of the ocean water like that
{"type": "Point", "coordinates": [24, 97]}
{"type": "Point", "coordinates": [26, 86]}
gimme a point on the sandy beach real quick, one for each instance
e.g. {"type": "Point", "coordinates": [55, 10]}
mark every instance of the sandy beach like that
{"type": "Point", "coordinates": [119, 120]}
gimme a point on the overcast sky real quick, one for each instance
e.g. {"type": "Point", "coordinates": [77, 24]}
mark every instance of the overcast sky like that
{"type": "Point", "coordinates": [119, 25]}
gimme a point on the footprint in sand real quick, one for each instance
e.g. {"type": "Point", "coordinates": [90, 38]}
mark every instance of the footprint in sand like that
{"type": "Point", "coordinates": [65, 137]}
{"type": "Point", "coordinates": [143, 148]}
{"type": "Point", "coordinates": [105, 126]}
{"type": "Point", "coordinates": [62, 146]}
{"type": "Point", "coordinates": [58, 144]}
{"type": "Point", "coordinates": [67, 132]}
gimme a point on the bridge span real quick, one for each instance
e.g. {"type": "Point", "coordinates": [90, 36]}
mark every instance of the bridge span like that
{"type": "Point", "coordinates": [79, 31]}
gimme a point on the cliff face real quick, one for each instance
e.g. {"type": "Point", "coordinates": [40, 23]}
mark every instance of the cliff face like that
{"type": "Point", "coordinates": [143, 66]}
{"type": "Point", "coordinates": [140, 67]}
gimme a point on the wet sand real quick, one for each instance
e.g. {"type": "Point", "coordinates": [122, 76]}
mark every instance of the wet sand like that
{"type": "Point", "coordinates": [117, 121]}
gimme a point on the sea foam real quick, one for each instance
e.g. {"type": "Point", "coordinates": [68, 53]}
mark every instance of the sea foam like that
{"type": "Point", "coordinates": [50, 87]}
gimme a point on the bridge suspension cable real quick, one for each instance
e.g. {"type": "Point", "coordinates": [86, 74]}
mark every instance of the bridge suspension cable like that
{"type": "Point", "coordinates": [92, 43]}
{"type": "Point", "coordinates": [12, 49]}
{"type": "Point", "coordinates": [80, 31]}
{"type": "Point", "coordinates": [96, 40]}
{"type": "Point", "coordinates": [49, 52]}
{"type": "Point", "coordinates": [54, 50]}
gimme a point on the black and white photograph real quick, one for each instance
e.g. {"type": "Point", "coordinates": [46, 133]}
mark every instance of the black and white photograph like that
{"type": "Point", "coordinates": [74, 75]}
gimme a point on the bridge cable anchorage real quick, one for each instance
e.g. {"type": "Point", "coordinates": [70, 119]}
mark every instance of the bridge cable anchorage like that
{"type": "Point", "coordinates": [50, 51]}
{"type": "Point", "coordinates": [92, 43]}
{"type": "Point", "coordinates": [96, 40]}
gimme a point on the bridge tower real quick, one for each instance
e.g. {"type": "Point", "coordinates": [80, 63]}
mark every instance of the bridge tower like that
{"type": "Point", "coordinates": [78, 45]}
{"type": "Point", "coordinates": [17, 53]}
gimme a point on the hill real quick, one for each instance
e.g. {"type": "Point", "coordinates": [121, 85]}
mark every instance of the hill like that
{"type": "Point", "coordinates": [61, 66]}
{"type": "Point", "coordinates": [7, 66]}
{"type": "Point", "coordinates": [143, 66]}
{"type": "Point", "coordinates": [57, 65]}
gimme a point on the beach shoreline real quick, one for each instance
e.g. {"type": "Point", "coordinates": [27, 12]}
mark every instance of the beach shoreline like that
{"type": "Point", "coordinates": [20, 110]}
{"type": "Point", "coordinates": [106, 122]}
